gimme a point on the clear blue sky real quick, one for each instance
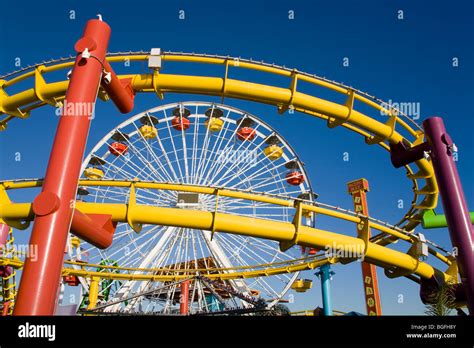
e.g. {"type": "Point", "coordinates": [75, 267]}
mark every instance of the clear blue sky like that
{"type": "Point", "coordinates": [407, 60]}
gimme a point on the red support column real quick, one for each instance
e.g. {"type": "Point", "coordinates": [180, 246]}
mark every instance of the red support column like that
{"type": "Point", "coordinates": [53, 206]}
{"type": "Point", "coordinates": [184, 298]}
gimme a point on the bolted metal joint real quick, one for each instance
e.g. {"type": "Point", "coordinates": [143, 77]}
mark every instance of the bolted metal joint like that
{"type": "Point", "coordinates": [401, 154]}
{"type": "Point", "coordinates": [46, 203]}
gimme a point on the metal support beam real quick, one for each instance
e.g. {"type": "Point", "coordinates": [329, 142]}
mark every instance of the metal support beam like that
{"type": "Point", "coordinates": [433, 220]}
{"type": "Point", "coordinates": [93, 293]}
{"type": "Point", "coordinates": [245, 226]}
{"type": "Point", "coordinates": [184, 298]}
{"type": "Point", "coordinates": [325, 275]}
{"type": "Point", "coordinates": [53, 206]}
{"type": "Point", "coordinates": [454, 203]}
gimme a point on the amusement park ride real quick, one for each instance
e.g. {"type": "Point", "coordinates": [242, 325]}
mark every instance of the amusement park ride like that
{"type": "Point", "coordinates": [157, 220]}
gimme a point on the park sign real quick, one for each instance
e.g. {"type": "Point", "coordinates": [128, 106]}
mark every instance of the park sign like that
{"type": "Point", "coordinates": [358, 190]}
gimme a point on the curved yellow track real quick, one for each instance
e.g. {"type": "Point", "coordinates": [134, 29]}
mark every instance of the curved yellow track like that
{"type": "Point", "coordinates": [396, 128]}
{"type": "Point", "coordinates": [397, 263]}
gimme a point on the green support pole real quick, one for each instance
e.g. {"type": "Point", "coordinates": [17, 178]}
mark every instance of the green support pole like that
{"type": "Point", "coordinates": [433, 220]}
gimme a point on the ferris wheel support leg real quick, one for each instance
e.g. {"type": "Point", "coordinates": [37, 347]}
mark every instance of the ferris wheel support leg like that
{"type": "Point", "coordinates": [184, 298]}
{"type": "Point", "coordinates": [325, 275]}
{"type": "Point", "coordinates": [53, 207]}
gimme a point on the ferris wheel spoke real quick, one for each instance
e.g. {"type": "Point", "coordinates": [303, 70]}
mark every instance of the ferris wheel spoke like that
{"type": "Point", "coordinates": [154, 259]}
{"type": "Point", "coordinates": [220, 152]}
{"type": "Point", "coordinates": [146, 286]}
{"type": "Point", "coordinates": [220, 162]}
{"type": "Point", "coordinates": [164, 175]}
{"type": "Point", "coordinates": [244, 144]}
{"type": "Point", "coordinates": [288, 193]}
{"type": "Point", "coordinates": [264, 169]}
{"type": "Point", "coordinates": [265, 182]}
{"type": "Point", "coordinates": [122, 245]}
{"type": "Point", "coordinates": [237, 167]}
{"type": "Point", "coordinates": [203, 296]}
{"type": "Point", "coordinates": [173, 146]}
{"type": "Point", "coordinates": [124, 254]}
{"type": "Point", "coordinates": [242, 262]}
{"type": "Point", "coordinates": [193, 150]}
{"type": "Point", "coordinates": [202, 157]}
{"type": "Point", "coordinates": [265, 285]}
{"type": "Point", "coordinates": [220, 137]}
{"type": "Point", "coordinates": [166, 257]}
{"type": "Point", "coordinates": [204, 152]}
{"type": "Point", "coordinates": [168, 161]}
{"type": "Point", "coordinates": [196, 126]}
{"type": "Point", "coordinates": [122, 196]}
{"type": "Point", "coordinates": [200, 242]}
{"type": "Point", "coordinates": [185, 157]}
{"type": "Point", "coordinates": [205, 149]}
{"type": "Point", "coordinates": [234, 248]}
{"type": "Point", "coordinates": [264, 249]}
{"type": "Point", "coordinates": [268, 172]}
{"type": "Point", "coordinates": [274, 257]}
{"type": "Point", "coordinates": [244, 209]}
{"type": "Point", "coordinates": [126, 160]}
{"type": "Point", "coordinates": [104, 195]}
{"type": "Point", "coordinates": [142, 249]}
{"type": "Point", "coordinates": [246, 167]}
{"type": "Point", "coordinates": [152, 173]}
{"type": "Point", "coordinates": [164, 197]}
{"type": "Point", "coordinates": [216, 152]}
{"type": "Point", "coordinates": [259, 183]}
{"type": "Point", "coordinates": [237, 203]}
{"type": "Point", "coordinates": [172, 293]}
{"type": "Point", "coordinates": [236, 252]}
{"type": "Point", "coordinates": [162, 260]}
{"type": "Point", "coordinates": [119, 171]}
{"type": "Point", "coordinates": [222, 261]}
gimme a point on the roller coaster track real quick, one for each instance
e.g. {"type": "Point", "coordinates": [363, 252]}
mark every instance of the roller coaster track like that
{"type": "Point", "coordinates": [396, 263]}
{"type": "Point", "coordinates": [396, 128]}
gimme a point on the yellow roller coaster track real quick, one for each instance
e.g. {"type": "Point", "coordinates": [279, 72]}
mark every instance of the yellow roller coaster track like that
{"type": "Point", "coordinates": [396, 128]}
{"type": "Point", "coordinates": [395, 263]}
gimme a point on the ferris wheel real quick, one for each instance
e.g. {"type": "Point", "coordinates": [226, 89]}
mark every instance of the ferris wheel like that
{"type": "Point", "coordinates": [202, 144]}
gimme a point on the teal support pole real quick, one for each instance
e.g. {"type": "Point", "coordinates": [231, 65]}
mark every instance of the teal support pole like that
{"type": "Point", "coordinates": [325, 275]}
